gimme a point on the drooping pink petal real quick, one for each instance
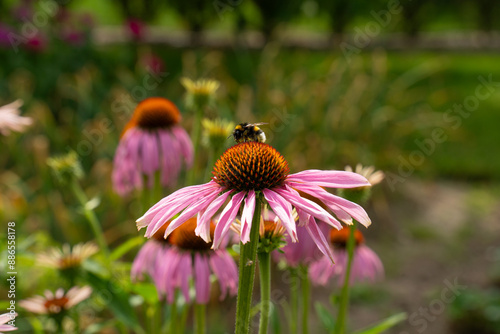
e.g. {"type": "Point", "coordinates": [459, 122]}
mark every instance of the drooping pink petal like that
{"type": "Point", "coordinates": [226, 218]}
{"type": "Point", "coordinates": [309, 206]}
{"type": "Point", "coordinates": [185, 144]}
{"type": "Point", "coordinates": [166, 212]}
{"type": "Point", "coordinates": [335, 203]}
{"type": "Point", "coordinates": [247, 216]}
{"type": "Point", "coordinates": [224, 268]}
{"type": "Point", "coordinates": [145, 260]}
{"type": "Point", "coordinates": [150, 154]}
{"type": "Point", "coordinates": [203, 225]}
{"type": "Point", "coordinates": [202, 278]}
{"type": "Point", "coordinates": [319, 238]}
{"type": "Point", "coordinates": [185, 273]}
{"type": "Point", "coordinates": [198, 190]}
{"type": "Point", "coordinates": [330, 178]}
{"type": "Point", "coordinates": [283, 210]}
{"type": "Point", "coordinates": [190, 212]}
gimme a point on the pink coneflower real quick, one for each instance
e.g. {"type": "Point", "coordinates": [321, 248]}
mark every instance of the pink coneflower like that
{"type": "Point", "coordinates": [10, 119]}
{"type": "Point", "coordinates": [241, 174]}
{"type": "Point", "coordinates": [56, 303]}
{"type": "Point", "coordinates": [366, 265]}
{"type": "Point", "coordinates": [153, 141]}
{"type": "Point", "coordinates": [183, 257]}
{"type": "Point", "coordinates": [4, 319]}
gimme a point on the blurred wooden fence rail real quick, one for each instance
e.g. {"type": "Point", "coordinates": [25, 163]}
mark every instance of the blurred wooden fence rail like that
{"type": "Point", "coordinates": [445, 41]}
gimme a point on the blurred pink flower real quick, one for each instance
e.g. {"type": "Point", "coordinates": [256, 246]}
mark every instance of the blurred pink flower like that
{"type": "Point", "coordinates": [10, 119]}
{"type": "Point", "coordinates": [151, 142]}
{"type": "Point", "coordinates": [152, 63]}
{"type": "Point", "coordinates": [366, 265]}
{"type": "Point", "coordinates": [136, 28]}
{"type": "Point", "coordinates": [5, 318]}
{"type": "Point", "coordinates": [181, 258]}
{"type": "Point", "coordinates": [5, 31]}
{"type": "Point", "coordinates": [37, 43]}
{"type": "Point", "coordinates": [52, 303]}
{"type": "Point", "coordinates": [244, 171]}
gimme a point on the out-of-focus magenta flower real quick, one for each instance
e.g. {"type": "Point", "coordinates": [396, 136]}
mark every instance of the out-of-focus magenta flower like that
{"type": "Point", "coordinates": [4, 319]}
{"type": "Point", "coordinates": [153, 141]}
{"type": "Point", "coordinates": [242, 173]}
{"type": "Point", "coordinates": [151, 63]}
{"type": "Point", "coordinates": [5, 31]}
{"type": "Point", "coordinates": [366, 265]}
{"type": "Point", "coordinates": [24, 11]}
{"type": "Point", "coordinates": [73, 37]}
{"type": "Point", "coordinates": [136, 28]}
{"type": "Point", "coordinates": [37, 43]}
{"type": "Point", "coordinates": [181, 258]}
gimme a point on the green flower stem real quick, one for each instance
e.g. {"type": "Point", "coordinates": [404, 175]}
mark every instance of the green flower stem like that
{"type": "Point", "coordinates": [344, 295]}
{"type": "Point", "coordinates": [248, 258]}
{"type": "Point", "coordinates": [173, 315]}
{"type": "Point", "coordinates": [294, 300]}
{"type": "Point", "coordinates": [183, 319]}
{"type": "Point", "coordinates": [265, 290]}
{"type": "Point", "coordinates": [91, 217]}
{"type": "Point", "coordinates": [195, 137]}
{"type": "Point", "coordinates": [157, 190]}
{"type": "Point", "coordinates": [200, 315]}
{"type": "Point", "coordinates": [306, 298]}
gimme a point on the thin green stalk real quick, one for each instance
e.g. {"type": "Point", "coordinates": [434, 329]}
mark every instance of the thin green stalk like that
{"type": "Point", "coordinates": [265, 290]}
{"type": "Point", "coordinates": [157, 190]}
{"type": "Point", "coordinates": [173, 315]}
{"type": "Point", "coordinates": [294, 300]}
{"type": "Point", "coordinates": [195, 137]}
{"type": "Point", "coordinates": [248, 258]}
{"type": "Point", "coordinates": [91, 217]}
{"type": "Point", "coordinates": [344, 295]}
{"type": "Point", "coordinates": [200, 316]}
{"type": "Point", "coordinates": [183, 319]}
{"type": "Point", "coordinates": [306, 299]}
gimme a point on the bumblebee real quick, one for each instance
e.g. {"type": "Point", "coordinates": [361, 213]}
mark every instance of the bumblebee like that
{"type": "Point", "coordinates": [245, 132]}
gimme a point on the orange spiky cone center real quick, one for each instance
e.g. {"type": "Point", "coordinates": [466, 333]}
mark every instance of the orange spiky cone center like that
{"type": "Point", "coordinates": [153, 113]}
{"type": "Point", "coordinates": [56, 304]}
{"type": "Point", "coordinates": [250, 166]}
{"type": "Point", "coordinates": [184, 236]}
{"type": "Point", "coordinates": [339, 238]}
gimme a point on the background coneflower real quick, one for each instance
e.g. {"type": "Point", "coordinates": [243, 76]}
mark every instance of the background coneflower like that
{"type": "Point", "coordinates": [366, 265]}
{"type": "Point", "coordinates": [153, 141]}
{"type": "Point", "coordinates": [189, 258]}
{"type": "Point", "coordinates": [67, 257]}
{"type": "Point", "coordinates": [54, 303]}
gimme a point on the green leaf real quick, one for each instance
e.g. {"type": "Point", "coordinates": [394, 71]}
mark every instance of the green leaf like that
{"type": "Point", "coordinates": [384, 325]}
{"type": "Point", "coordinates": [126, 247]}
{"type": "Point", "coordinates": [147, 291]}
{"type": "Point", "coordinates": [324, 315]}
{"type": "Point", "coordinates": [116, 299]}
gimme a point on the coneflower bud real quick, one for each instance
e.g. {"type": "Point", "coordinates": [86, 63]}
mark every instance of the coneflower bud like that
{"type": "Point", "coordinates": [66, 167]}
